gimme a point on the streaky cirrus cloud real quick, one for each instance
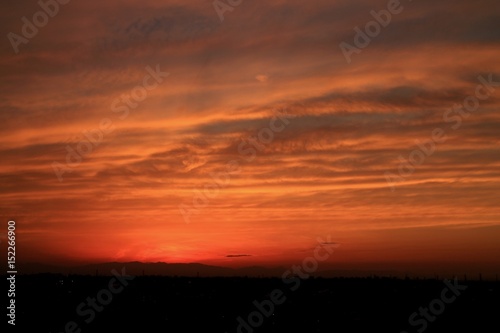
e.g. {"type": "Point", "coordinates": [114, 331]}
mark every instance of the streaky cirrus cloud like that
{"type": "Point", "coordinates": [323, 174]}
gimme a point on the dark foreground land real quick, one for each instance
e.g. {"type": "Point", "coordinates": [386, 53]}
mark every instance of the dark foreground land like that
{"type": "Point", "coordinates": [59, 303]}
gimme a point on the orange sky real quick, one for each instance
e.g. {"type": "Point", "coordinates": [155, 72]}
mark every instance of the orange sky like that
{"type": "Point", "coordinates": [322, 174]}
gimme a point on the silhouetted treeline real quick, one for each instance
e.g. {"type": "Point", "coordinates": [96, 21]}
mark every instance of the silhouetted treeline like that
{"type": "Point", "coordinates": [46, 303]}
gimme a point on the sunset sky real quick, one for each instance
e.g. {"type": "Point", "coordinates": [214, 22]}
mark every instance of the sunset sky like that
{"type": "Point", "coordinates": [268, 65]}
